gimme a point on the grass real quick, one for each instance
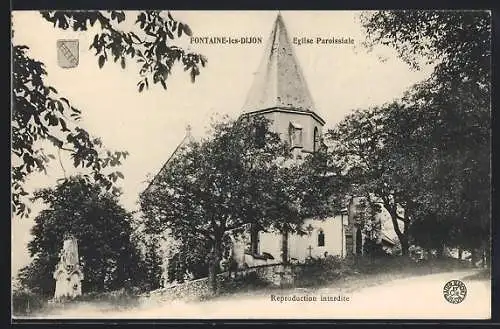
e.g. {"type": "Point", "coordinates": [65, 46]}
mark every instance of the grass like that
{"type": "Point", "coordinates": [352, 274]}
{"type": "Point", "coordinates": [348, 275]}
{"type": "Point", "coordinates": [480, 276]}
{"type": "Point", "coordinates": [106, 302]}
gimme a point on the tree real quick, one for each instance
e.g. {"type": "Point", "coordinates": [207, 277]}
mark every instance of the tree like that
{"type": "Point", "coordinates": [309, 188]}
{"type": "Point", "coordinates": [363, 144]}
{"type": "Point", "coordinates": [214, 186]}
{"type": "Point", "coordinates": [102, 228]}
{"type": "Point", "coordinates": [429, 152]}
{"type": "Point", "coordinates": [39, 113]}
{"type": "Point", "coordinates": [456, 100]}
{"type": "Point", "coordinates": [190, 259]}
{"type": "Point", "coordinates": [152, 264]}
{"type": "Point", "coordinates": [242, 174]}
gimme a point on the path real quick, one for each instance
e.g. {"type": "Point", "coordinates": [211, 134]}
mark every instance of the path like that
{"type": "Point", "coordinates": [418, 297]}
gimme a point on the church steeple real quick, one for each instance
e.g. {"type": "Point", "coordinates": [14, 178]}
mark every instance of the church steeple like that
{"type": "Point", "coordinates": [279, 82]}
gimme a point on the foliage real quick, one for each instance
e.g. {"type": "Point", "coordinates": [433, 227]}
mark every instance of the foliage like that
{"type": "Point", "coordinates": [151, 48]}
{"type": "Point", "coordinates": [242, 174]}
{"type": "Point", "coordinates": [214, 186]}
{"type": "Point", "coordinates": [40, 113]}
{"type": "Point", "coordinates": [102, 228]}
{"type": "Point", "coordinates": [459, 41]}
{"type": "Point", "coordinates": [319, 271]}
{"type": "Point", "coordinates": [247, 282]}
{"type": "Point", "coordinates": [428, 154]}
{"type": "Point", "coordinates": [117, 299]}
{"type": "Point", "coordinates": [24, 302]}
{"type": "Point", "coordinates": [152, 265]}
{"type": "Point", "coordinates": [364, 145]}
{"type": "Point", "coordinates": [190, 259]}
{"type": "Point", "coordinates": [37, 276]}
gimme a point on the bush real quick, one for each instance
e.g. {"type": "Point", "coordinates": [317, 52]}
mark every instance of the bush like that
{"type": "Point", "coordinates": [25, 302]}
{"type": "Point", "coordinates": [317, 271]}
{"type": "Point", "coordinates": [446, 263]}
{"type": "Point", "coordinates": [248, 281]}
{"type": "Point", "coordinates": [123, 298]}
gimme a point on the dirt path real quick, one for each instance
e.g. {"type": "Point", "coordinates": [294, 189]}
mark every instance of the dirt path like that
{"type": "Point", "coordinates": [418, 297]}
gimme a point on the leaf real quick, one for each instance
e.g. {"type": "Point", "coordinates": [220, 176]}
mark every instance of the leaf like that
{"type": "Point", "coordinates": [141, 86]}
{"type": "Point", "coordinates": [187, 30]}
{"type": "Point", "coordinates": [63, 125]}
{"type": "Point", "coordinates": [123, 62]}
{"type": "Point", "coordinates": [169, 33]}
{"type": "Point", "coordinates": [119, 174]}
{"type": "Point", "coordinates": [120, 16]}
{"type": "Point", "coordinates": [102, 59]}
{"type": "Point", "coordinates": [164, 85]}
{"type": "Point", "coordinates": [135, 36]}
{"type": "Point", "coordinates": [203, 61]}
{"type": "Point", "coordinates": [179, 31]}
{"type": "Point", "coordinates": [65, 100]}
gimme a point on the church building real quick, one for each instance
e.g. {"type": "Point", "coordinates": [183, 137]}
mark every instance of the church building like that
{"type": "Point", "coordinates": [279, 92]}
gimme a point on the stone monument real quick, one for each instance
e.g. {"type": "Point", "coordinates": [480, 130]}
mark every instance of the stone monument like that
{"type": "Point", "coordinates": [68, 273]}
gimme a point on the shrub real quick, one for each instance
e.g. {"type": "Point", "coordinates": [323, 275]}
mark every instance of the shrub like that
{"type": "Point", "coordinates": [117, 299]}
{"type": "Point", "coordinates": [247, 281]}
{"type": "Point", "coordinates": [317, 271]}
{"type": "Point", "coordinates": [25, 302]}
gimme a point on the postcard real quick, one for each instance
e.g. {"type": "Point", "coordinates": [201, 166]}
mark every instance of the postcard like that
{"type": "Point", "coordinates": [175, 164]}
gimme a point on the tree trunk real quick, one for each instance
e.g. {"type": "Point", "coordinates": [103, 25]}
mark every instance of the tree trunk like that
{"type": "Point", "coordinates": [405, 246]}
{"type": "Point", "coordinates": [460, 253]}
{"type": "Point", "coordinates": [284, 247]}
{"type": "Point", "coordinates": [402, 235]}
{"type": "Point", "coordinates": [441, 250]}
{"type": "Point", "coordinates": [473, 256]}
{"type": "Point", "coordinates": [213, 268]}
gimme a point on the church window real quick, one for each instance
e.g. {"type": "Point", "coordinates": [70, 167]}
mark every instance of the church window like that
{"type": "Point", "coordinates": [316, 139]}
{"type": "Point", "coordinates": [321, 238]}
{"type": "Point", "coordinates": [295, 135]}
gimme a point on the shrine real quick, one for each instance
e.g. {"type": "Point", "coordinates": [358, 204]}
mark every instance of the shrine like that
{"type": "Point", "coordinates": [68, 273]}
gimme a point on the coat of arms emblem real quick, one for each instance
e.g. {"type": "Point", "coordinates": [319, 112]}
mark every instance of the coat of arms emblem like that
{"type": "Point", "coordinates": [67, 53]}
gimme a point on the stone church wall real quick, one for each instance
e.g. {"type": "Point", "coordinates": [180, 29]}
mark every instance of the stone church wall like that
{"type": "Point", "coordinates": [276, 275]}
{"type": "Point", "coordinates": [282, 120]}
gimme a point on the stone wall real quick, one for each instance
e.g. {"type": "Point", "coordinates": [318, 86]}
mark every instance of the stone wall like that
{"type": "Point", "coordinates": [193, 289]}
{"type": "Point", "coordinates": [276, 275]}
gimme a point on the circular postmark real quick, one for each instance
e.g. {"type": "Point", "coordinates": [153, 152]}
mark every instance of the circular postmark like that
{"type": "Point", "coordinates": [454, 291]}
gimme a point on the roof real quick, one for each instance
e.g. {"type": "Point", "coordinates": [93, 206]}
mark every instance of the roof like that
{"type": "Point", "coordinates": [279, 82]}
{"type": "Point", "coordinates": [185, 141]}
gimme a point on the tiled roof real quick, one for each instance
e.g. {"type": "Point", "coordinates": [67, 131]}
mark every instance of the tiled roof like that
{"type": "Point", "coordinates": [279, 82]}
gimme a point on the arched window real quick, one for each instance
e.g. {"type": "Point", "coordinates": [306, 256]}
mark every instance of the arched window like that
{"type": "Point", "coordinates": [316, 139]}
{"type": "Point", "coordinates": [295, 135]}
{"type": "Point", "coordinates": [321, 238]}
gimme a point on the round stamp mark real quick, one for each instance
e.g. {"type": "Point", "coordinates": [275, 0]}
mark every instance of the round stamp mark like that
{"type": "Point", "coordinates": [455, 291]}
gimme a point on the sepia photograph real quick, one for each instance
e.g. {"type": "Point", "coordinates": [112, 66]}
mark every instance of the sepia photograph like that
{"type": "Point", "coordinates": [170, 164]}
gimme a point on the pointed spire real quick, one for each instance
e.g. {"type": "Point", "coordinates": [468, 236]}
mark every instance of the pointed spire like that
{"type": "Point", "coordinates": [279, 81]}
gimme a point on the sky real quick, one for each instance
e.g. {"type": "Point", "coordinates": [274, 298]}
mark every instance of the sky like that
{"type": "Point", "coordinates": [150, 125]}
